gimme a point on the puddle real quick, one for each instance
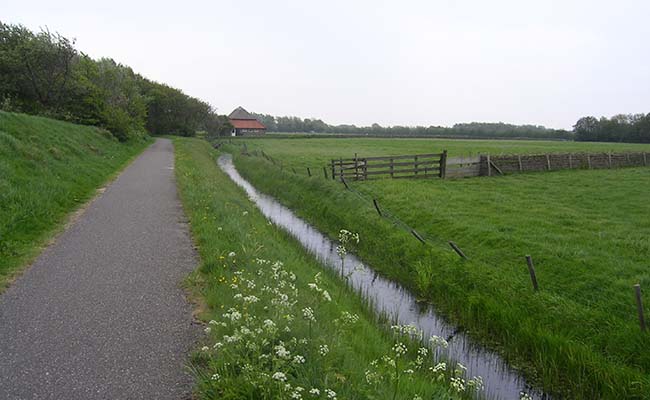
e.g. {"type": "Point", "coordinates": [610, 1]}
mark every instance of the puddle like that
{"type": "Point", "coordinates": [388, 297]}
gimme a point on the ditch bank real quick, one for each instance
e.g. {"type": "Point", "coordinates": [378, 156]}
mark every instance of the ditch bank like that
{"type": "Point", "coordinates": [391, 299]}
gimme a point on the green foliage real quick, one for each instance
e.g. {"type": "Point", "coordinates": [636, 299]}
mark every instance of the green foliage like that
{"type": "Point", "coordinates": [634, 128]}
{"type": "Point", "coordinates": [44, 74]}
{"type": "Point", "coordinates": [309, 339]}
{"type": "Point", "coordinates": [41, 181]}
{"type": "Point", "coordinates": [579, 335]}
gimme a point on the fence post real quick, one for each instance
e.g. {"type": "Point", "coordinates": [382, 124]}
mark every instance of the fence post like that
{"type": "Point", "coordinates": [374, 201]}
{"type": "Point", "coordinates": [548, 162]}
{"type": "Point", "coordinates": [639, 306]}
{"type": "Point", "coordinates": [609, 158]}
{"type": "Point", "coordinates": [356, 167]}
{"type": "Point", "coordinates": [345, 183]}
{"type": "Point", "coordinates": [341, 167]}
{"type": "Point", "coordinates": [521, 167]}
{"type": "Point", "coordinates": [589, 160]}
{"type": "Point", "coordinates": [457, 250]}
{"type": "Point", "coordinates": [417, 236]}
{"type": "Point", "coordinates": [415, 164]}
{"type": "Point", "coordinates": [392, 167]}
{"type": "Point", "coordinates": [325, 172]}
{"type": "Point", "coordinates": [645, 163]}
{"type": "Point", "coordinates": [627, 158]}
{"type": "Point", "coordinates": [488, 165]}
{"type": "Point", "coordinates": [443, 164]}
{"type": "Point", "coordinates": [531, 270]}
{"type": "Point", "coordinates": [308, 171]}
{"type": "Point", "coordinates": [570, 161]}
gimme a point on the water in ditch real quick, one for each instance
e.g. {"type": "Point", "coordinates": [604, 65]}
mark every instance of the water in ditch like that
{"type": "Point", "coordinates": [388, 297]}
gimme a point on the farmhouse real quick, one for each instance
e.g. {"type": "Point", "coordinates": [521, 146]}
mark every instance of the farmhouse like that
{"type": "Point", "coordinates": [245, 124]}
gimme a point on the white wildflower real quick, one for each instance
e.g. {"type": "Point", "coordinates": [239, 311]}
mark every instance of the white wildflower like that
{"type": "Point", "coordinates": [308, 314]}
{"type": "Point", "coordinates": [282, 352]}
{"type": "Point", "coordinates": [437, 341]}
{"type": "Point", "coordinates": [279, 376]}
{"type": "Point", "coordinates": [215, 377]}
{"type": "Point", "coordinates": [323, 350]}
{"type": "Point", "coordinates": [314, 392]}
{"type": "Point", "coordinates": [457, 384]}
{"type": "Point", "coordinates": [399, 349]}
{"type": "Point", "coordinates": [298, 359]}
{"type": "Point", "coordinates": [232, 254]}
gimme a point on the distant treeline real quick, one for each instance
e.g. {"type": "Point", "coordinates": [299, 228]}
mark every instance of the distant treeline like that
{"type": "Point", "coordinates": [42, 73]}
{"type": "Point", "coordinates": [474, 129]}
{"type": "Point", "coordinates": [633, 128]}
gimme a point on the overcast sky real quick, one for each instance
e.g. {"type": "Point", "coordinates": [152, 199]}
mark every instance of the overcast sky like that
{"type": "Point", "coordinates": [394, 62]}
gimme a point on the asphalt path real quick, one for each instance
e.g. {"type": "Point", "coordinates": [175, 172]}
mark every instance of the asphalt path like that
{"type": "Point", "coordinates": [101, 313]}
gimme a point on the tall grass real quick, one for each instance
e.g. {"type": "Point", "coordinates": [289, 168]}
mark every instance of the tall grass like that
{"type": "Point", "coordinates": [271, 331]}
{"type": "Point", "coordinates": [48, 168]}
{"type": "Point", "coordinates": [587, 231]}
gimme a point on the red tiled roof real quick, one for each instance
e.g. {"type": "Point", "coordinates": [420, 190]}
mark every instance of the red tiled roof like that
{"type": "Point", "coordinates": [246, 124]}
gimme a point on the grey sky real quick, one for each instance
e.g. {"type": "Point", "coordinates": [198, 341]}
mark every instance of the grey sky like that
{"type": "Point", "coordinates": [393, 62]}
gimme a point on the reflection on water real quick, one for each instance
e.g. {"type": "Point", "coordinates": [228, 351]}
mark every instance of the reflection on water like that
{"type": "Point", "coordinates": [388, 297]}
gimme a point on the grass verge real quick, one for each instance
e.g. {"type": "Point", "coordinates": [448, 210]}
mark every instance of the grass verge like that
{"type": "Point", "coordinates": [48, 169]}
{"type": "Point", "coordinates": [278, 324]}
{"type": "Point", "coordinates": [578, 337]}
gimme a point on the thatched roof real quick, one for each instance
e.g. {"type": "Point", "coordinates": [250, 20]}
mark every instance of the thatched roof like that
{"type": "Point", "coordinates": [240, 113]}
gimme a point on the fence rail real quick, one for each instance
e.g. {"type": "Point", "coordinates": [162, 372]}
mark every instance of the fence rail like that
{"type": "Point", "coordinates": [407, 166]}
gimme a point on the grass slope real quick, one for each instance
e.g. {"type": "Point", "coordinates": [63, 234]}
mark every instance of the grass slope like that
{"type": "Point", "coordinates": [245, 355]}
{"type": "Point", "coordinates": [48, 168]}
{"type": "Point", "coordinates": [587, 231]}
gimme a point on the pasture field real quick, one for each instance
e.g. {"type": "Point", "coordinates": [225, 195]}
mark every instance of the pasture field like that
{"type": "Point", "coordinates": [587, 231]}
{"type": "Point", "coordinates": [317, 152]}
{"type": "Point", "coordinates": [278, 324]}
{"type": "Point", "coordinates": [49, 168]}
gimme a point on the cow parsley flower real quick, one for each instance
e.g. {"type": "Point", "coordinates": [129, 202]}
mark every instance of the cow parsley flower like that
{"type": "Point", "coordinates": [298, 359]}
{"type": "Point", "coordinates": [308, 314]}
{"type": "Point", "coordinates": [323, 350]}
{"type": "Point", "coordinates": [437, 341]}
{"type": "Point", "coordinates": [279, 376]}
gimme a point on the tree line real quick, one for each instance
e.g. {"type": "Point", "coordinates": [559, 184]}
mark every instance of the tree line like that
{"type": "Point", "coordinates": [44, 74]}
{"type": "Point", "coordinates": [634, 128]}
{"type": "Point", "coordinates": [473, 129]}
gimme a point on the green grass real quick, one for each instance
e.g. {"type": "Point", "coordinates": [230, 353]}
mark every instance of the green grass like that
{"type": "Point", "coordinates": [48, 168]}
{"type": "Point", "coordinates": [317, 152]}
{"type": "Point", "coordinates": [587, 231]}
{"type": "Point", "coordinates": [224, 220]}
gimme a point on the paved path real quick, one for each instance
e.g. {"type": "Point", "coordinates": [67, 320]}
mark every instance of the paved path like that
{"type": "Point", "coordinates": [100, 314]}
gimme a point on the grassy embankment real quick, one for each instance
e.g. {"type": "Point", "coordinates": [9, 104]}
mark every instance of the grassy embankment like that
{"type": "Point", "coordinates": [281, 325]}
{"type": "Point", "coordinates": [48, 168]}
{"type": "Point", "coordinates": [587, 231]}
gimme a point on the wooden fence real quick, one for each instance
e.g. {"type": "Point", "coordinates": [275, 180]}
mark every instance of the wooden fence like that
{"type": "Point", "coordinates": [406, 166]}
{"type": "Point", "coordinates": [498, 165]}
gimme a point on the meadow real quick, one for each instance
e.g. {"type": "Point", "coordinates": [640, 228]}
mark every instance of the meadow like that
{"type": "Point", "coordinates": [277, 324]}
{"type": "Point", "coordinates": [317, 152]}
{"type": "Point", "coordinates": [48, 169]}
{"type": "Point", "coordinates": [587, 231]}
